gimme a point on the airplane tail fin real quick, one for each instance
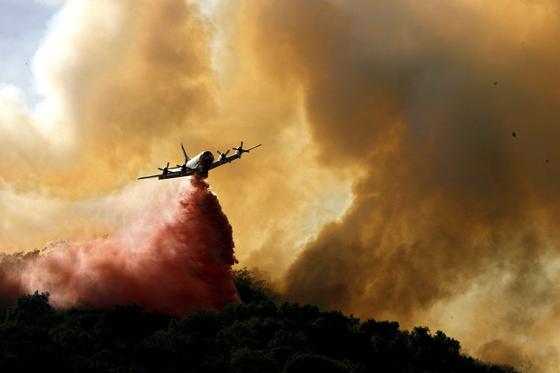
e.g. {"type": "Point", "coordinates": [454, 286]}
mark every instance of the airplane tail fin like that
{"type": "Point", "coordinates": [185, 154]}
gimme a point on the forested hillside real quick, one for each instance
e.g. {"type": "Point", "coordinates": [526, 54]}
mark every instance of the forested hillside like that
{"type": "Point", "coordinates": [256, 335]}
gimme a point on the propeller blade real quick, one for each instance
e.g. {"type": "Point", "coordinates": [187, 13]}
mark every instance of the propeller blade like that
{"type": "Point", "coordinates": [241, 146]}
{"type": "Point", "coordinates": [165, 168]}
{"type": "Point", "coordinates": [219, 152]}
{"type": "Point", "coordinates": [226, 153]}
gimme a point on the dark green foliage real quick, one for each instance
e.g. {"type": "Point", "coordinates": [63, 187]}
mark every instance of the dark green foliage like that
{"type": "Point", "coordinates": [252, 289]}
{"type": "Point", "coordinates": [306, 362]}
{"type": "Point", "coordinates": [255, 335]}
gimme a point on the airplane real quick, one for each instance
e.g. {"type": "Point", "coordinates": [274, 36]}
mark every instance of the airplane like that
{"type": "Point", "coordinates": [199, 165]}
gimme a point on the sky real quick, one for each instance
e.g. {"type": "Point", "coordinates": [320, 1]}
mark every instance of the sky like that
{"type": "Point", "coordinates": [23, 24]}
{"type": "Point", "coordinates": [389, 185]}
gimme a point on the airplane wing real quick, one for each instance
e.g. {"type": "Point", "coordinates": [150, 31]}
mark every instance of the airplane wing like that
{"type": "Point", "coordinates": [218, 163]}
{"type": "Point", "coordinates": [253, 147]}
{"type": "Point", "coordinates": [239, 152]}
{"type": "Point", "coordinates": [172, 175]}
{"type": "Point", "coordinates": [148, 177]}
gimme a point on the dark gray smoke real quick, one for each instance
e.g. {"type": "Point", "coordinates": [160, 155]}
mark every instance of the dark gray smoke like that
{"type": "Point", "coordinates": [421, 100]}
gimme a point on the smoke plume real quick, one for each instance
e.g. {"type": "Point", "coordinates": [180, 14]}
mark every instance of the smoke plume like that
{"type": "Point", "coordinates": [175, 262]}
{"type": "Point", "coordinates": [449, 207]}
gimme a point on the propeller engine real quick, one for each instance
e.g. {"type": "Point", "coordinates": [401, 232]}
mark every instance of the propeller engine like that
{"type": "Point", "coordinates": [222, 155]}
{"type": "Point", "coordinates": [164, 170]}
{"type": "Point", "coordinates": [240, 149]}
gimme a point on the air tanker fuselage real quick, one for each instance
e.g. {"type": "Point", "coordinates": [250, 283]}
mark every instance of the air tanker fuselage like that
{"type": "Point", "coordinates": [201, 162]}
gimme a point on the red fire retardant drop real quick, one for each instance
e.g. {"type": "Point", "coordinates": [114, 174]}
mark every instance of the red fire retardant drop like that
{"type": "Point", "coordinates": [175, 263]}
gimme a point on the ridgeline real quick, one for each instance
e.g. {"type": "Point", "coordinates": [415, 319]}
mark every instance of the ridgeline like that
{"type": "Point", "coordinates": [256, 335]}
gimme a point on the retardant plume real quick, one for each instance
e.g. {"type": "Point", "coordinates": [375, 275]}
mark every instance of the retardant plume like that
{"type": "Point", "coordinates": [175, 262]}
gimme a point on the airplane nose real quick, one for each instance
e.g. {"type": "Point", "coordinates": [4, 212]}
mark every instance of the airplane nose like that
{"type": "Point", "coordinates": [207, 158]}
